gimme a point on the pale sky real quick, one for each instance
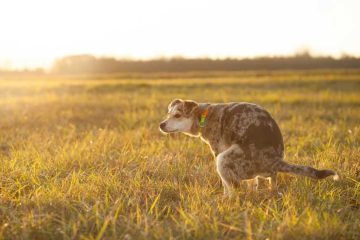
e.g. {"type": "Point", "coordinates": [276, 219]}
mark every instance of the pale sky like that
{"type": "Point", "coordinates": [35, 32]}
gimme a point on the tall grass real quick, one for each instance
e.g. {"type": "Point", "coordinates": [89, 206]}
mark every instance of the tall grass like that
{"type": "Point", "coordinates": [82, 158]}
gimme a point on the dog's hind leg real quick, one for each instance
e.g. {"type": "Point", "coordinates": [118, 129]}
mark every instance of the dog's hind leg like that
{"type": "Point", "coordinates": [253, 184]}
{"type": "Point", "coordinates": [232, 166]}
{"type": "Point", "coordinates": [227, 188]}
{"type": "Point", "coordinates": [273, 186]}
{"type": "Point", "coordinates": [272, 181]}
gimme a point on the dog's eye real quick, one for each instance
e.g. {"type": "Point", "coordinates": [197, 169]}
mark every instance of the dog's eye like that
{"type": "Point", "coordinates": [177, 115]}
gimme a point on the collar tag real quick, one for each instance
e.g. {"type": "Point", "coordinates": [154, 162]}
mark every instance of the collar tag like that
{"type": "Point", "coordinates": [203, 118]}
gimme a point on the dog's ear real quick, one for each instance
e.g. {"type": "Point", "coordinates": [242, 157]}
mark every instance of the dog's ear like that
{"type": "Point", "coordinates": [190, 106]}
{"type": "Point", "coordinates": [174, 102]}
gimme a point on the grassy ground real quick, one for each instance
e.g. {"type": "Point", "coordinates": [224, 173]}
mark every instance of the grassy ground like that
{"type": "Point", "coordinates": [82, 158]}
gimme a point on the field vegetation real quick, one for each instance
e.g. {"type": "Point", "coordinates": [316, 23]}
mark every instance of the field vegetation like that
{"type": "Point", "coordinates": [82, 158]}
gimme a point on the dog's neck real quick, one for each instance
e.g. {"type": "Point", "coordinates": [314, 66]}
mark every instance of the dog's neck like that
{"type": "Point", "coordinates": [202, 114]}
{"type": "Point", "coordinates": [198, 125]}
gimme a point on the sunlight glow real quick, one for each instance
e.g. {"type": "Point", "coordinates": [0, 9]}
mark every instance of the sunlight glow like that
{"type": "Point", "coordinates": [34, 33]}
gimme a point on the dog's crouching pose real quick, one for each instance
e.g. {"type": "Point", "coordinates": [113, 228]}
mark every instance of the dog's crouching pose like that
{"type": "Point", "coordinates": [243, 137]}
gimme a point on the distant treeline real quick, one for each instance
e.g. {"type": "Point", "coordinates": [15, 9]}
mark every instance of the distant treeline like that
{"type": "Point", "coordinates": [88, 64]}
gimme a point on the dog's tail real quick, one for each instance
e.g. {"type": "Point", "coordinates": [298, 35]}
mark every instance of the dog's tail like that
{"type": "Point", "coordinates": [282, 166]}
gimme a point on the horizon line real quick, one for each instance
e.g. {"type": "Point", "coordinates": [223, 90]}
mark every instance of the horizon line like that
{"type": "Point", "coordinates": [302, 52]}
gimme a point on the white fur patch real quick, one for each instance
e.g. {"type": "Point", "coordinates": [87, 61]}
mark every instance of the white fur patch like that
{"type": "Point", "coordinates": [179, 125]}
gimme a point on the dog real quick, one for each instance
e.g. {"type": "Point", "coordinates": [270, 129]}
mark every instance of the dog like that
{"type": "Point", "coordinates": [244, 139]}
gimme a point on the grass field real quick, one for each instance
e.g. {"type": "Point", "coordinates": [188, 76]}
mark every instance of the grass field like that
{"type": "Point", "coordinates": [82, 158]}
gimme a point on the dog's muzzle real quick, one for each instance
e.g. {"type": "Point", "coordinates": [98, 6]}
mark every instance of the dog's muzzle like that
{"type": "Point", "coordinates": [162, 126]}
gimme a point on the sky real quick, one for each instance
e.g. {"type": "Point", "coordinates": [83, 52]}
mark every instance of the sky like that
{"type": "Point", "coordinates": [35, 32]}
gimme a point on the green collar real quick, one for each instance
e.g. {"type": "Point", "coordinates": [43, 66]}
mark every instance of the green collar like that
{"type": "Point", "coordinates": [203, 116]}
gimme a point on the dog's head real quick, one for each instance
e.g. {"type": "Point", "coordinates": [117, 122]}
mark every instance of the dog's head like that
{"type": "Point", "coordinates": [181, 117]}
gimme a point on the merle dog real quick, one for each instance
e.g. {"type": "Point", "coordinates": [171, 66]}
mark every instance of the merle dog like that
{"type": "Point", "coordinates": [243, 137]}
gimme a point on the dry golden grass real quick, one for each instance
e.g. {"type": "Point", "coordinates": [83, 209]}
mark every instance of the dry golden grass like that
{"type": "Point", "coordinates": [82, 158]}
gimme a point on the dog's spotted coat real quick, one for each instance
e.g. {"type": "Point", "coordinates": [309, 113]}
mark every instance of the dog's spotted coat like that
{"type": "Point", "coordinates": [243, 137]}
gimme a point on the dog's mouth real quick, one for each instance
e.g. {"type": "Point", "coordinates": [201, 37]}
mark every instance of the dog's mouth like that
{"type": "Point", "coordinates": [172, 131]}
{"type": "Point", "coordinates": [166, 131]}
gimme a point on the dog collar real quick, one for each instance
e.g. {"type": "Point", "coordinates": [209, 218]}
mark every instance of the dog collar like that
{"type": "Point", "coordinates": [203, 116]}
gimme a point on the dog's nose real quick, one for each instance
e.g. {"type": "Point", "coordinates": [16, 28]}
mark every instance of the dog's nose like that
{"type": "Point", "coordinates": [162, 125]}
